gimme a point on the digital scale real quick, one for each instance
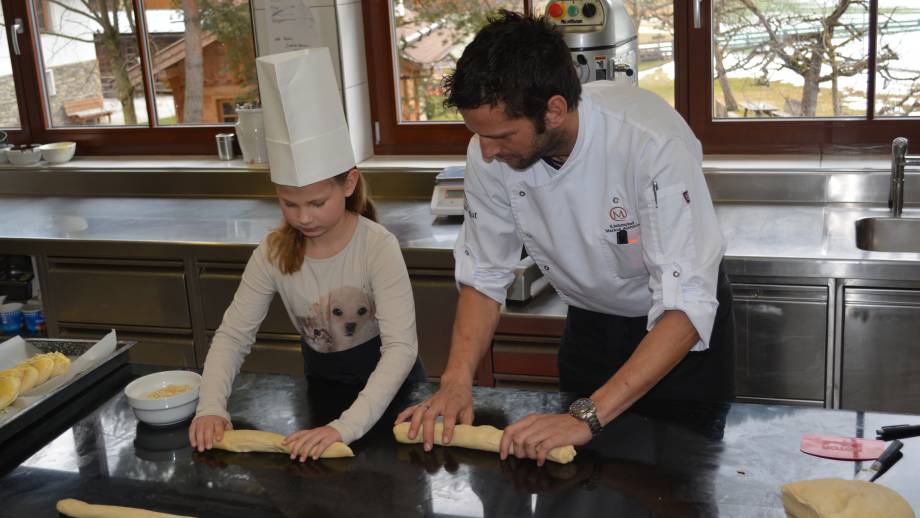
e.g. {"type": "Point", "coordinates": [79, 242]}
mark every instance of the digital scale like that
{"type": "Point", "coordinates": [447, 198]}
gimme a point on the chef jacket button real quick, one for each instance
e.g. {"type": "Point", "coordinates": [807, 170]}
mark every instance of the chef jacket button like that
{"type": "Point", "coordinates": [467, 252]}
{"type": "Point", "coordinates": [545, 268]}
{"type": "Point", "coordinates": [676, 273]}
{"type": "Point", "coordinates": [522, 193]}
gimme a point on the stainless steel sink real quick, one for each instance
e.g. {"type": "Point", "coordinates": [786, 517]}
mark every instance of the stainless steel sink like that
{"type": "Point", "coordinates": [888, 234]}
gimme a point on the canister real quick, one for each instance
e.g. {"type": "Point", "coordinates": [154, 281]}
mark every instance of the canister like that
{"type": "Point", "coordinates": [11, 317]}
{"type": "Point", "coordinates": [34, 318]}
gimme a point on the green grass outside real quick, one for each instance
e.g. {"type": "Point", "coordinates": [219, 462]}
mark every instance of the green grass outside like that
{"type": "Point", "coordinates": [747, 90]}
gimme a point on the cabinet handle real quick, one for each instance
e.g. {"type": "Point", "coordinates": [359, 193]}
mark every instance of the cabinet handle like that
{"type": "Point", "coordinates": [697, 8]}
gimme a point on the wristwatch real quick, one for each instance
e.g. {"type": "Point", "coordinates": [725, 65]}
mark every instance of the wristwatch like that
{"type": "Point", "coordinates": [584, 410]}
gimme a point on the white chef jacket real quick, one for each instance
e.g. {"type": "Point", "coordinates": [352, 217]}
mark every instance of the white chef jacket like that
{"type": "Point", "coordinates": [625, 227]}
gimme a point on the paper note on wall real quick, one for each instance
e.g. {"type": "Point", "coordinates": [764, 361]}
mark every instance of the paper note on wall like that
{"type": "Point", "coordinates": [291, 26]}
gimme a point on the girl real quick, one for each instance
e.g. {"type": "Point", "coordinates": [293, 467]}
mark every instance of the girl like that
{"type": "Point", "coordinates": [344, 284]}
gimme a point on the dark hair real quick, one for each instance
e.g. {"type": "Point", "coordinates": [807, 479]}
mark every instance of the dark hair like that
{"type": "Point", "coordinates": [287, 246]}
{"type": "Point", "coordinates": [516, 59]}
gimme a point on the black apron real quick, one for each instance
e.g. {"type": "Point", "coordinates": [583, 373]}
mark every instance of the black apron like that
{"type": "Point", "coordinates": [352, 366]}
{"type": "Point", "coordinates": [595, 345]}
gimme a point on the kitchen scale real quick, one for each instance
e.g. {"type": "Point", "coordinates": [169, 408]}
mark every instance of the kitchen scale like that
{"type": "Point", "coordinates": [447, 198]}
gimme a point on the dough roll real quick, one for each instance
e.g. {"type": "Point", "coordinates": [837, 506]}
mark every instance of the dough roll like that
{"type": "Point", "coordinates": [485, 438]}
{"type": "Point", "coordinates": [27, 374]}
{"type": "Point", "coordinates": [244, 441]}
{"type": "Point", "coordinates": [80, 509]}
{"type": "Point", "coordinates": [838, 498]}
{"type": "Point", "coordinates": [61, 363]}
{"type": "Point", "coordinates": [44, 365]}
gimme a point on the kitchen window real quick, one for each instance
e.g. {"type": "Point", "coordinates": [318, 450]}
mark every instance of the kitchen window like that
{"type": "Point", "coordinates": [125, 76]}
{"type": "Point", "coordinates": [755, 76]}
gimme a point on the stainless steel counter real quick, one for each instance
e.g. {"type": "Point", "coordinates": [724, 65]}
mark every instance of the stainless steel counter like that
{"type": "Point", "coordinates": [797, 240]}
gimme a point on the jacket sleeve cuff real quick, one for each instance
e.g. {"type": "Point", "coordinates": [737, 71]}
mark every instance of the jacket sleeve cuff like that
{"type": "Point", "coordinates": [698, 306]}
{"type": "Point", "coordinates": [204, 410]}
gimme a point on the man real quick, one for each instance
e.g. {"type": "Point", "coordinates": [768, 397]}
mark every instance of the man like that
{"type": "Point", "coordinates": [604, 188]}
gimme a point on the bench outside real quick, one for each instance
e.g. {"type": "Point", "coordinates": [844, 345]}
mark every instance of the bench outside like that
{"type": "Point", "coordinates": [82, 111]}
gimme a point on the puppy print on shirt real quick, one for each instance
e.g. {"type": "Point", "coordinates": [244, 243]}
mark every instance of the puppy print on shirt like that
{"type": "Point", "coordinates": [339, 320]}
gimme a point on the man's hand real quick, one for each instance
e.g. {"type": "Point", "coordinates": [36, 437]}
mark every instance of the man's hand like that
{"type": "Point", "coordinates": [311, 443]}
{"type": "Point", "coordinates": [535, 435]}
{"type": "Point", "coordinates": [206, 430]}
{"type": "Point", "coordinates": [453, 400]}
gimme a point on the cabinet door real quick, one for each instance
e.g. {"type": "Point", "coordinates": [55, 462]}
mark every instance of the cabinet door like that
{"type": "Point", "coordinates": [780, 342]}
{"type": "Point", "coordinates": [881, 351]}
{"type": "Point", "coordinates": [111, 292]}
{"type": "Point", "coordinates": [218, 284]}
{"type": "Point", "coordinates": [435, 305]}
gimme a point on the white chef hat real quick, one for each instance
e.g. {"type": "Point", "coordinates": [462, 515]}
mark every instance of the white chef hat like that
{"type": "Point", "coordinates": [305, 128]}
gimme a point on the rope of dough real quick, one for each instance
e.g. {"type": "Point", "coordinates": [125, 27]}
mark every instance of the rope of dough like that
{"type": "Point", "coordinates": [485, 438]}
{"type": "Point", "coordinates": [244, 441]}
{"type": "Point", "coordinates": [80, 509]}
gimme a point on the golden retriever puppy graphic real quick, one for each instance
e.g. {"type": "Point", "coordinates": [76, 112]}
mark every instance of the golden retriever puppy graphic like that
{"type": "Point", "coordinates": [351, 318]}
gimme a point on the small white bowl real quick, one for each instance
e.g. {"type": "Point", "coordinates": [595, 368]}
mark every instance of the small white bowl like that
{"type": "Point", "coordinates": [168, 410]}
{"type": "Point", "coordinates": [24, 157]}
{"type": "Point", "coordinates": [58, 152]}
{"type": "Point", "coordinates": [3, 158]}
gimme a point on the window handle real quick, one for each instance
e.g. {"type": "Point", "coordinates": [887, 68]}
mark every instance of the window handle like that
{"type": "Point", "coordinates": [697, 23]}
{"type": "Point", "coordinates": [17, 30]}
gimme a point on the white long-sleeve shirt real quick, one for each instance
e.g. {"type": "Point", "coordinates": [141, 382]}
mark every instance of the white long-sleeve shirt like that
{"type": "Point", "coordinates": [364, 287]}
{"type": "Point", "coordinates": [626, 226]}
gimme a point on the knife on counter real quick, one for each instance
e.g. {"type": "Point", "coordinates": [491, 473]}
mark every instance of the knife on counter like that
{"type": "Point", "coordinates": [885, 461]}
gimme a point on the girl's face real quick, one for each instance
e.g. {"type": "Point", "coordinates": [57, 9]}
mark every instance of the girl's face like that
{"type": "Point", "coordinates": [316, 208]}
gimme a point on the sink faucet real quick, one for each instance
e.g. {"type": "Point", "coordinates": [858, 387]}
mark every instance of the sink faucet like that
{"type": "Point", "coordinates": [899, 160]}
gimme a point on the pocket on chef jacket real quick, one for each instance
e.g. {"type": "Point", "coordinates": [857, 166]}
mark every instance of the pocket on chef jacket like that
{"type": "Point", "coordinates": [670, 238]}
{"type": "Point", "coordinates": [625, 259]}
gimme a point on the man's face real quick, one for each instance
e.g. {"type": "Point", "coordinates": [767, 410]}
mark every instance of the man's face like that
{"type": "Point", "coordinates": [512, 141]}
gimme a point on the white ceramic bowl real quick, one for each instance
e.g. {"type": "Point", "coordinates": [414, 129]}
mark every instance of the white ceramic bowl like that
{"type": "Point", "coordinates": [168, 410]}
{"type": "Point", "coordinates": [24, 157]}
{"type": "Point", "coordinates": [58, 152]}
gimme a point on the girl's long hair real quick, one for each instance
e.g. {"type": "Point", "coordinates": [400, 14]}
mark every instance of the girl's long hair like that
{"type": "Point", "coordinates": [287, 245]}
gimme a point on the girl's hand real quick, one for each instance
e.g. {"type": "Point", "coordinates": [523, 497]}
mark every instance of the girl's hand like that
{"type": "Point", "coordinates": [206, 430]}
{"type": "Point", "coordinates": [311, 443]}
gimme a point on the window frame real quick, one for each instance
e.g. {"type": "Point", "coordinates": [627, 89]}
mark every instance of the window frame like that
{"type": "Point", "coordinates": [96, 140]}
{"type": "Point", "coordinates": [693, 96]}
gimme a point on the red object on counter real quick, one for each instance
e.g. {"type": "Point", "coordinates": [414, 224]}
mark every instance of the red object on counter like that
{"type": "Point", "coordinates": [842, 448]}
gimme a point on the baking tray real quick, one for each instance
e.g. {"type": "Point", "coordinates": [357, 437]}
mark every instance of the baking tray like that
{"type": "Point", "coordinates": [49, 402]}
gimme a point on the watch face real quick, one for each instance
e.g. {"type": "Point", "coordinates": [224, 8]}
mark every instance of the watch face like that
{"type": "Point", "coordinates": [582, 407]}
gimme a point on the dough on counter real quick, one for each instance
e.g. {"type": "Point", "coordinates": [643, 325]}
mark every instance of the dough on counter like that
{"type": "Point", "coordinates": [244, 441]}
{"type": "Point", "coordinates": [838, 498]}
{"type": "Point", "coordinates": [9, 390]}
{"type": "Point", "coordinates": [485, 438]}
{"type": "Point", "coordinates": [43, 364]}
{"type": "Point", "coordinates": [27, 374]}
{"type": "Point", "coordinates": [61, 363]}
{"type": "Point", "coordinates": [81, 509]}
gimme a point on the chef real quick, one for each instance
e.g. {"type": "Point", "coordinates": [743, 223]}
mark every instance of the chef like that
{"type": "Point", "coordinates": [603, 187]}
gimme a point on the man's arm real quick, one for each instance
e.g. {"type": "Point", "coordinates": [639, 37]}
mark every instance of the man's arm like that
{"type": "Point", "coordinates": [474, 325]}
{"type": "Point", "coordinates": [657, 354]}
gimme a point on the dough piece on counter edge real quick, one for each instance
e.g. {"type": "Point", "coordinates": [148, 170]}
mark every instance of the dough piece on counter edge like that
{"type": "Point", "coordinates": [839, 498]}
{"type": "Point", "coordinates": [244, 441]}
{"type": "Point", "coordinates": [485, 438]}
{"type": "Point", "coordinates": [9, 390]}
{"type": "Point", "coordinates": [81, 509]}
